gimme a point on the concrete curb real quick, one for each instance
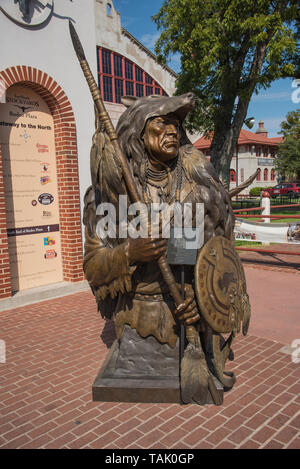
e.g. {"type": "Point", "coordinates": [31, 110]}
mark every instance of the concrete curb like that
{"type": "Point", "coordinates": [48, 292]}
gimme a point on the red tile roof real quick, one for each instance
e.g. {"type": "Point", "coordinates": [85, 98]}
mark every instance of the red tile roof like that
{"type": "Point", "coordinates": [245, 137]}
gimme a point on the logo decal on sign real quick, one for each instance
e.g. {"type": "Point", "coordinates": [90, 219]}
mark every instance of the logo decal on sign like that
{"type": "Point", "coordinates": [45, 167]}
{"type": "Point", "coordinates": [50, 254]}
{"type": "Point", "coordinates": [45, 179]}
{"type": "Point", "coordinates": [49, 241]}
{"type": "Point", "coordinates": [45, 199]}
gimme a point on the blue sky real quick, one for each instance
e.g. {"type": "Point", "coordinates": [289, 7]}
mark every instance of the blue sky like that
{"type": "Point", "coordinates": [269, 105]}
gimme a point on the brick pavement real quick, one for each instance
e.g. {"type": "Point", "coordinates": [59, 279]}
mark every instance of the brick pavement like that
{"type": "Point", "coordinates": [54, 351]}
{"type": "Point", "coordinates": [274, 262]}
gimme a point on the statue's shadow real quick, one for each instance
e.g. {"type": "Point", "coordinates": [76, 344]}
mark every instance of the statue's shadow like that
{"type": "Point", "coordinates": [108, 334]}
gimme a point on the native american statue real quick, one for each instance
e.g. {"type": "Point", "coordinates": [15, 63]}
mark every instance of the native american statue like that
{"type": "Point", "coordinates": [170, 346]}
{"type": "Point", "coordinates": [124, 274]}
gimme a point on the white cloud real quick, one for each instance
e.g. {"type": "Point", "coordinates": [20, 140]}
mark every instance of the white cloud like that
{"type": "Point", "coordinates": [149, 40]}
{"type": "Point", "coordinates": [272, 96]}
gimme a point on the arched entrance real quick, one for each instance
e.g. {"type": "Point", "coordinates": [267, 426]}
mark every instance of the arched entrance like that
{"type": "Point", "coordinates": [30, 189]}
{"type": "Point", "coordinates": [58, 111]}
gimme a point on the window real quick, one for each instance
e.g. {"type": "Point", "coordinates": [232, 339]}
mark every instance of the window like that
{"type": "Point", "coordinates": [258, 174]}
{"type": "Point", "coordinates": [107, 88]}
{"type": "Point", "coordinates": [272, 175]}
{"type": "Point", "coordinates": [106, 63]}
{"type": "Point", "coordinates": [242, 174]}
{"type": "Point", "coordinates": [139, 90]}
{"type": "Point", "coordinates": [138, 74]}
{"type": "Point", "coordinates": [148, 79]}
{"type": "Point", "coordinates": [232, 175]}
{"type": "Point", "coordinates": [266, 174]}
{"type": "Point", "coordinates": [119, 76]}
{"type": "Point", "coordinates": [149, 90]}
{"type": "Point", "coordinates": [128, 70]}
{"type": "Point", "coordinates": [129, 88]}
{"type": "Point", "coordinates": [118, 89]}
{"type": "Point", "coordinates": [118, 66]}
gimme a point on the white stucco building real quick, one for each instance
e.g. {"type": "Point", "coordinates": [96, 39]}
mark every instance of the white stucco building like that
{"type": "Point", "coordinates": [255, 150]}
{"type": "Point", "coordinates": [47, 123]}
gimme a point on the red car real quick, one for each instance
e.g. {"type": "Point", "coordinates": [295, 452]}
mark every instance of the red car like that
{"type": "Point", "coordinates": [290, 189]}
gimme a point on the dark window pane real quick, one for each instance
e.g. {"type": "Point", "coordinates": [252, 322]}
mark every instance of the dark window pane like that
{"type": "Point", "coordinates": [118, 89]}
{"type": "Point", "coordinates": [118, 66]}
{"type": "Point", "coordinates": [138, 74]}
{"type": "Point", "coordinates": [128, 70]}
{"type": "Point", "coordinates": [107, 89]}
{"type": "Point", "coordinates": [149, 90]}
{"type": "Point", "coordinates": [157, 90]}
{"type": "Point", "coordinates": [129, 88]}
{"type": "Point", "coordinates": [106, 65]}
{"type": "Point", "coordinates": [139, 90]}
{"type": "Point", "coordinates": [148, 79]}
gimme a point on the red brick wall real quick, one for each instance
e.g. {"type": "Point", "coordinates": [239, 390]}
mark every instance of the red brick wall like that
{"type": "Point", "coordinates": [5, 285]}
{"type": "Point", "coordinates": [67, 174]}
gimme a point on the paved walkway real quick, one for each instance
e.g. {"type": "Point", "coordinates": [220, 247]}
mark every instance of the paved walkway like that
{"type": "Point", "coordinates": [55, 349]}
{"type": "Point", "coordinates": [270, 261]}
{"type": "Point", "coordinates": [275, 304]}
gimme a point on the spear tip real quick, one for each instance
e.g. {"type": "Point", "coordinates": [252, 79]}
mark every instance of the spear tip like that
{"type": "Point", "coordinates": [76, 42]}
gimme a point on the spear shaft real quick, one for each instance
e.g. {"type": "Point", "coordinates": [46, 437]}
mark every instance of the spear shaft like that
{"type": "Point", "coordinates": [130, 183]}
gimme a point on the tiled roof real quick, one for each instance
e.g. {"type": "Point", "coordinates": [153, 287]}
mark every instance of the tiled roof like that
{"type": "Point", "coordinates": [245, 137]}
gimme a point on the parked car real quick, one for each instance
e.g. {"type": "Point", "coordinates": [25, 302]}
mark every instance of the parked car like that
{"type": "Point", "coordinates": [290, 189]}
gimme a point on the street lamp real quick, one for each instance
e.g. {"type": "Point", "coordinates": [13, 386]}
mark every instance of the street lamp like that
{"type": "Point", "coordinates": [249, 122]}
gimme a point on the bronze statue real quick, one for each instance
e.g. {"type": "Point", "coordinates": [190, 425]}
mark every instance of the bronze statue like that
{"type": "Point", "coordinates": [150, 159]}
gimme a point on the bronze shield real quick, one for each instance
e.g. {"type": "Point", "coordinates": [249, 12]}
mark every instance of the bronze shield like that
{"type": "Point", "coordinates": [220, 286]}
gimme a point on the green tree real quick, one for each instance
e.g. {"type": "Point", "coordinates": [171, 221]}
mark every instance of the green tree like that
{"type": "Point", "coordinates": [287, 162]}
{"type": "Point", "coordinates": [229, 49]}
{"type": "Point", "coordinates": [291, 125]}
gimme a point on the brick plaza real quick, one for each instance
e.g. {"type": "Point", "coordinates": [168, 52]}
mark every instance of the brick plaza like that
{"type": "Point", "coordinates": [54, 350]}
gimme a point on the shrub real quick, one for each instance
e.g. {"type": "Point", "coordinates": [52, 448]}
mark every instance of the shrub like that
{"type": "Point", "coordinates": [255, 191]}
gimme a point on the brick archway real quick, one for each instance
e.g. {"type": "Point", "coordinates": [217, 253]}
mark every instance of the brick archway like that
{"type": "Point", "coordinates": [67, 174]}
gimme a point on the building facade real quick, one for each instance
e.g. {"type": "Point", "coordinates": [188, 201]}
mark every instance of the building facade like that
{"type": "Point", "coordinates": [125, 66]}
{"type": "Point", "coordinates": [255, 150]}
{"type": "Point", "coordinates": [46, 128]}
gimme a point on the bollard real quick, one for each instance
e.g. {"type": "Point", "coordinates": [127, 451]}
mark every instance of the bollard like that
{"type": "Point", "coordinates": [265, 202]}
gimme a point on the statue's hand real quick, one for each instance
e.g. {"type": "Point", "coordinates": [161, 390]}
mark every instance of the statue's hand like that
{"type": "Point", "coordinates": [146, 249]}
{"type": "Point", "coordinates": [187, 312]}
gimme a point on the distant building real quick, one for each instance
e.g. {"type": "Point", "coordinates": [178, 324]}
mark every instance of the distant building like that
{"type": "Point", "coordinates": [254, 150]}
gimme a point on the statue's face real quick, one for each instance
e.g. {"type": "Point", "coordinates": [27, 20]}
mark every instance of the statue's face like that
{"type": "Point", "coordinates": [162, 137]}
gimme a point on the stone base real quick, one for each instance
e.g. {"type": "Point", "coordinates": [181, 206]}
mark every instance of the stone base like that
{"type": "Point", "coordinates": [109, 386]}
{"type": "Point", "coordinates": [141, 370]}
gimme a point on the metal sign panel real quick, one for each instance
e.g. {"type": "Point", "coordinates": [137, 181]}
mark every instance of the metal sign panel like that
{"type": "Point", "coordinates": [265, 162]}
{"type": "Point", "coordinates": [183, 245]}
